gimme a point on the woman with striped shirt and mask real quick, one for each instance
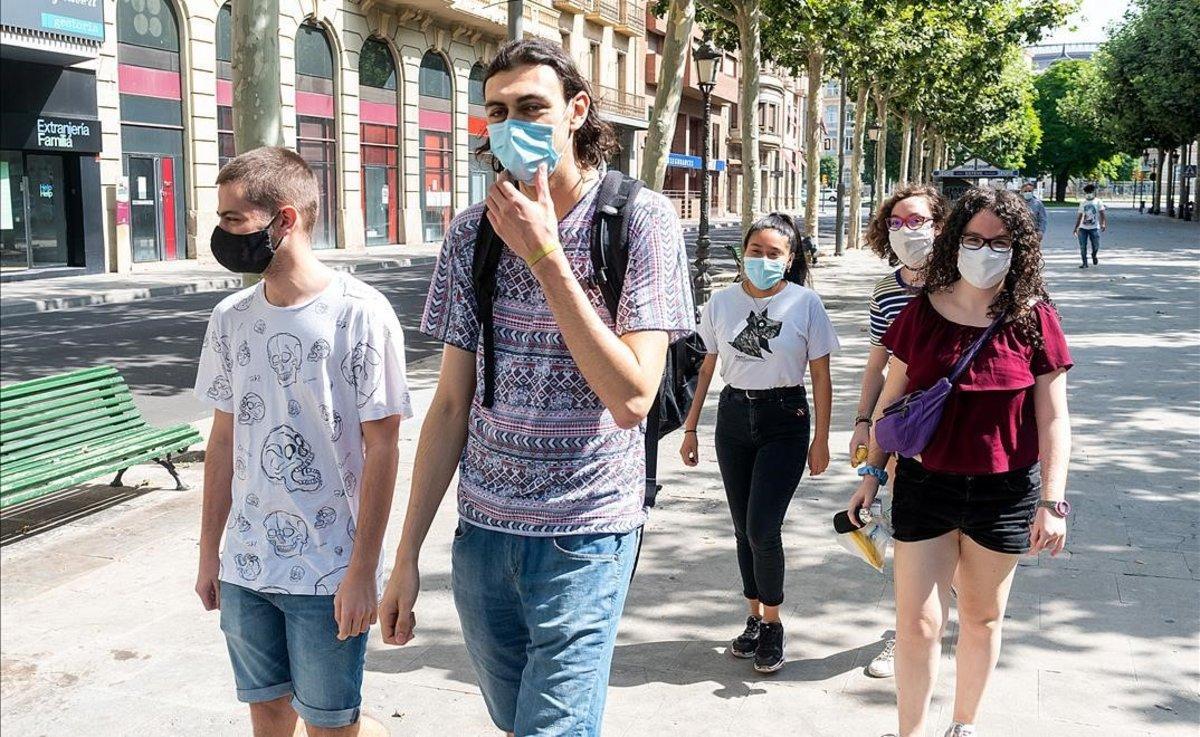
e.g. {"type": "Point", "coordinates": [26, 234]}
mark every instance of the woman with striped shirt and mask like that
{"type": "Point", "coordinates": [902, 231]}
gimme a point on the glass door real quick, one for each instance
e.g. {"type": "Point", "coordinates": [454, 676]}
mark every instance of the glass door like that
{"type": "Point", "coordinates": [377, 195]}
{"type": "Point", "coordinates": [143, 209]}
{"type": "Point", "coordinates": [46, 195]}
{"type": "Point", "coordinates": [14, 238]}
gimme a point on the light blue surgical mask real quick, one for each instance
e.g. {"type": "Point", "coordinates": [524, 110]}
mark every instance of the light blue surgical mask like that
{"type": "Point", "coordinates": [521, 146]}
{"type": "Point", "coordinates": [765, 273]}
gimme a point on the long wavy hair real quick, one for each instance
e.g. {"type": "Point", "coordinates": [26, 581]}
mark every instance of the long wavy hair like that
{"type": "Point", "coordinates": [1023, 284]}
{"type": "Point", "coordinates": [877, 229]}
{"type": "Point", "coordinates": [785, 225]}
{"type": "Point", "coordinates": [595, 141]}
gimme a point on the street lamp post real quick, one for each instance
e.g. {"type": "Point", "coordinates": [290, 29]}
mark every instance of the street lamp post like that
{"type": "Point", "coordinates": [708, 59]}
{"type": "Point", "coordinates": [873, 134]}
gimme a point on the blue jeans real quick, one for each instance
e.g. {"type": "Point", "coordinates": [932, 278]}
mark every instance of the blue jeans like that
{"type": "Point", "coordinates": [284, 644]}
{"type": "Point", "coordinates": [539, 616]}
{"type": "Point", "coordinates": [1086, 234]}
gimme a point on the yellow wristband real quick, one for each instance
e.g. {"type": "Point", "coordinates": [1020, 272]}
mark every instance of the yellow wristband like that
{"type": "Point", "coordinates": [542, 253]}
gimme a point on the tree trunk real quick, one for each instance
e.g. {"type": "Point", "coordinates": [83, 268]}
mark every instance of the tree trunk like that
{"type": "Point", "coordinates": [1172, 160]}
{"type": "Point", "coordinates": [918, 151]}
{"type": "Point", "coordinates": [257, 105]}
{"type": "Point", "coordinates": [254, 57]}
{"type": "Point", "coordinates": [749, 19]}
{"type": "Point", "coordinates": [1185, 152]}
{"type": "Point", "coordinates": [1060, 186]}
{"type": "Point", "coordinates": [881, 115]}
{"type": "Point", "coordinates": [839, 241]}
{"type": "Point", "coordinates": [905, 146]}
{"type": "Point", "coordinates": [856, 166]}
{"type": "Point", "coordinates": [1156, 207]}
{"type": "Point", "coordinates": [1196, 189]}
{"type": "Point", "coordinates": [681, 16]}
{"type": "Point", "coordinates": [816, 64]}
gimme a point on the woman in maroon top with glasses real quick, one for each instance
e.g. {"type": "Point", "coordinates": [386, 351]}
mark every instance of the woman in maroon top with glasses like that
{"type": "Point", "coordinates": [990, 485]}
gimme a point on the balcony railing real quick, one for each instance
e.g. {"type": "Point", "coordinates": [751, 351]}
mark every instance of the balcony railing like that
{"type": "Point", "coordinates": [605, 12]}
{"type": "Point", "coordinates": [621, 102]}
{"type": "Point", "coordinates": [632, 19]}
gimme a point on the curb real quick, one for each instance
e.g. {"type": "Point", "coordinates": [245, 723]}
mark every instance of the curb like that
{"type": "Point", "coordinates": [15, 307]}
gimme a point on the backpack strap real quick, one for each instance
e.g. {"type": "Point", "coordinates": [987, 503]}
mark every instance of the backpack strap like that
{"type": "Point", "coordinates": [610, 235]}
{"type": "Point", "coordinates": [486, 261]}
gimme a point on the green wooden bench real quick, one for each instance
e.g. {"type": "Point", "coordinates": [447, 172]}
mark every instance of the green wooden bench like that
{"type": "Point", "coordinates": [60, 431]}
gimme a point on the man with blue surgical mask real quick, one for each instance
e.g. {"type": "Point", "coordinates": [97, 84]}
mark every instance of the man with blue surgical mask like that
{"type": "Point", "coordinates": [549, 440]}
{"type": "Point", "coordinates": [1036, 208]}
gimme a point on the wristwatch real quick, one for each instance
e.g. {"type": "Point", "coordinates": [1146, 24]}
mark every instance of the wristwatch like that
{"type": "Point", "coordinates": [1059, 508]}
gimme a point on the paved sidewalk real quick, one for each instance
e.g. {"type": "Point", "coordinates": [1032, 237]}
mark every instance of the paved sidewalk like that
{"type": "Point", "coordinates": [170, 279]}
{"type": "Point", "coordinates": [102, 634]}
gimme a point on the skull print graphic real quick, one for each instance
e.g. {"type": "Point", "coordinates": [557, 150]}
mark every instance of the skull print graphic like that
{"type": "Point", "coordinates": [285, 353]}
{"type": "Point", "coordinates": [249, 566]}
{"type": "Point", "coordinates": [251, 409]}
{"type": "Point", "coordinates": [287, 458]}
{"type": "Point", "coordinates": [287, 534]}
{"type": "Point", "coordinates": [360, 369]}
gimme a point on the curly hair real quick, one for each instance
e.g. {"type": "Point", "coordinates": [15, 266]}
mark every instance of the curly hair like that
{"type": "Point", "coordinates": [877, 229]}
{"type": "Point", "coordinates": [595, 141]}
{"type": "Point", "coordinates": [1023, 285]}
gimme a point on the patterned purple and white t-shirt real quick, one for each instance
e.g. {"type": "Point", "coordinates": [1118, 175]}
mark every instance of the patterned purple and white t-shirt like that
{"type": "Point", "coordinates": [547, 458]}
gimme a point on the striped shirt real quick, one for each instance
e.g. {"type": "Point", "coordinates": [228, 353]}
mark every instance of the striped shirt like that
{"type": "Point", "coordinates": [890, 296]}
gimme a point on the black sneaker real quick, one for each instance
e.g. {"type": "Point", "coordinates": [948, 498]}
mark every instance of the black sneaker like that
{"type": "Point", "coordinates": [745, 644]}
{"type": "Point", "coordinates": [1095, 261]}
{"type": "Point", "coordinates": [769, 656]}
{"type": "Point", "coordinates": [1083, 265]}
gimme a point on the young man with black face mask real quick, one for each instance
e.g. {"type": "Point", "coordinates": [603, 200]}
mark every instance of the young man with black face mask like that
{"type": "Point", "coordinates": [305, 373]}
{"type": "Point", "coordinates": [552, 468]}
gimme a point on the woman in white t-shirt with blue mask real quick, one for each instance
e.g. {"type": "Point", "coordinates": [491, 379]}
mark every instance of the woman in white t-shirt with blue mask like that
{"type": "Point", "coordinates": [765, 332]}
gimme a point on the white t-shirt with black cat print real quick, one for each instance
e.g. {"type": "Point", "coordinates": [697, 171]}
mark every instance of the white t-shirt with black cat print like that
{"type": "Point", "coordinates": [299, 381]}
{"type": "Point", "coordinates": [766, 343]}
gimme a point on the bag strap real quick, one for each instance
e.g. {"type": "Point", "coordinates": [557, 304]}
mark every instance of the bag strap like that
{"type": "Point", "coordinates": [961, 366]}
{"type": "Point", "coordinates": [610, 235]}
{"type": "Point", "coordinates": [486, 261]}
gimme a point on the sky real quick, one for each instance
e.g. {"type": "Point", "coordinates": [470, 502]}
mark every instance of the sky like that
{"type": "Point", "coordinates": [1089, 22]}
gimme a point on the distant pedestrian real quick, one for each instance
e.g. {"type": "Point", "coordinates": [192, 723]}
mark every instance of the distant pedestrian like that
{"type": "Point", "coordinates": [766, 332]}
{"type": "Point", "coordinates": [305, 374]}
{"type": "Point", "coordinates": [989, 484]}
{"type": "Point", "coordinates": [1036, 208]}
{"type": "Point", "coordinates": [1090, 222]}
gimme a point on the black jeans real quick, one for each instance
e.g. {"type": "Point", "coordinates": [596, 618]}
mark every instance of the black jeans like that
{"type": "Point", "coordinates": [762, 448]}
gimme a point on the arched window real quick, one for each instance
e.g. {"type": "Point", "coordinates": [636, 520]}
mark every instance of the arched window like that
{"type": "Point", "coordinates": [377, 114]}
{"type": "Point", "coordinates": [152, 127]}
{"type": "Point", "coordinates": [225, 146]}
{"type": "Point", "coordinates": [436, 114]}
{"type": "Point", "coordinates": [481, 173]}
{"type": "Point", "coordinates": [315, 115]}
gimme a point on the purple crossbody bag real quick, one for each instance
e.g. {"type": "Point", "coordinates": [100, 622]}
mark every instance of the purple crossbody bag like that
{"type": "Point", "coordinates": [909, 423]}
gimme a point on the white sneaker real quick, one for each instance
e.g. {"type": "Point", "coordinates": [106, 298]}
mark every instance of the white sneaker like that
{"type": "Point", "coordinates": [884, 664]}
{"type": "Point", "coordinates": [958, 729]}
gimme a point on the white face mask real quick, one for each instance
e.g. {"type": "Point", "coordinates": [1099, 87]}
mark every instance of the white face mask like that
{"type": "Point", "coordinates": [912, 247]}
{"type": "Point", "coordinates": [984, 268]}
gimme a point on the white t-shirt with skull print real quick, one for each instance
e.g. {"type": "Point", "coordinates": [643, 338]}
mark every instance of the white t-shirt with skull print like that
{"type": "Point", "coordinates": [766, 343]}
{"type": "Point", "coordinates": [299, 381]}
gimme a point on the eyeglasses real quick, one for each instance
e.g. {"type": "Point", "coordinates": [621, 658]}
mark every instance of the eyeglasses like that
{"type": "Point", "coordinates": [1003, 244]}
{"type": "Point", "coordinates": [912, 222]}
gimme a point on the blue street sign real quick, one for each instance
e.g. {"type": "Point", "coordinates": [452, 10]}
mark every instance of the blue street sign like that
{"type": "Point", "coordinates": [687, 161]}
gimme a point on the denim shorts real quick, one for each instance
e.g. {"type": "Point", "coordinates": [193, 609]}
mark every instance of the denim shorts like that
{"type": "Point", "coordinates": [283, 644]}
{"type": "Point", "coordinates": [995, 510]}
{"type": "Point", "coordinates": [539, 616]}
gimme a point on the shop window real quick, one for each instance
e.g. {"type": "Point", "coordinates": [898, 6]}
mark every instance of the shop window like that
{"type": "Point", "coordinates": [315, 115]}
{"type": "Point", "coordinates": [379, 138]}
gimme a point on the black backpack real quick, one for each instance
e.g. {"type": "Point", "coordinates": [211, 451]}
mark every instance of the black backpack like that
{"type": "Point", "coordinates": [610, 257]}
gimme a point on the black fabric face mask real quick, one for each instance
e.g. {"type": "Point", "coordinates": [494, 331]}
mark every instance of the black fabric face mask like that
{"type": "Point", "coordinates": [244, 253]}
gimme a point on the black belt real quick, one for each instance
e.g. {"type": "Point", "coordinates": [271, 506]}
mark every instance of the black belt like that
{"type": "Point", "coordinates": [775, 393]}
